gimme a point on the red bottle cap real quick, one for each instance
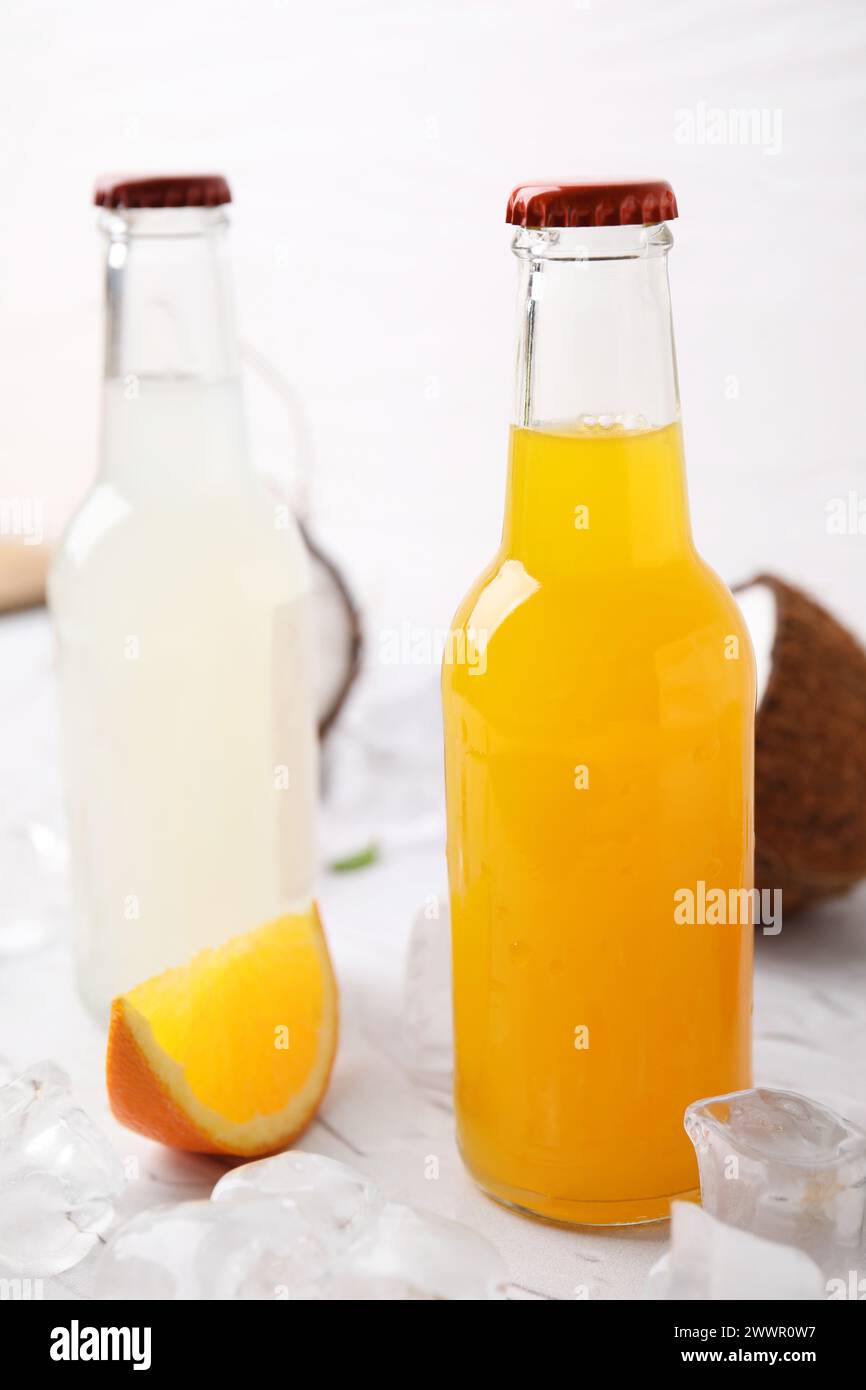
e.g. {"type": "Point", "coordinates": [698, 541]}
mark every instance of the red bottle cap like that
{"type": "Point", "coordinates": [620, 204]}
{"type": "Point", "coordinates": [161, 191]}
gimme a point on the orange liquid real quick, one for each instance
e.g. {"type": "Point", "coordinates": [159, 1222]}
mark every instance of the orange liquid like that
{"type": "Point", "coordinates": [599, 697]}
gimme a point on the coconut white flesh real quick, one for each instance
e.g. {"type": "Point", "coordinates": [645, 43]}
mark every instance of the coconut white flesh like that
{"type": "Point", "coordinates": [333, 638]}
{"type": "Point", "coordinates": [758, 607]}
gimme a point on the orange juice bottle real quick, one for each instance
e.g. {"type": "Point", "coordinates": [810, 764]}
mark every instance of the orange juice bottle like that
{"type": "Point", "coordinates": [599, 699]}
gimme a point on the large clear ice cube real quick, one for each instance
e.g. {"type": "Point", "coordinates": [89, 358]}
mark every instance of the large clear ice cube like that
{"type": "Point", "coordinates": [202, 1250]}
{"type": "Point", "coordinates": [785, 1168]}
{"type": "Point", "coordinates": [297, 1226]}
{"type": "Point", "coordinates": [427, 1014]}
{"type": "Point", "coordinates": [426, 1257]}
{"type": "Point", "coordinates": [710, 1260]}
{"type": "Point", "coordinates": [337, 1201]}
{"type": "Point", "coordinates": [59, 1177]}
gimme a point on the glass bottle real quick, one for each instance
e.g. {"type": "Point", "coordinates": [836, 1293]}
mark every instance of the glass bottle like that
{"type": "Point", "coordinates": [180, 596]}
{"type": "Point", "coordinates": [599, 698]}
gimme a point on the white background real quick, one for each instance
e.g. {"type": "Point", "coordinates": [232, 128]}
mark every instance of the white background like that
{"type": "Point", "coordinates": [371, 148]}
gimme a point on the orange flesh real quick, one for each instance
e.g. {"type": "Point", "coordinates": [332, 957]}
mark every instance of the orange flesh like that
{"type": "Point", "coordinates": [230, 1053]}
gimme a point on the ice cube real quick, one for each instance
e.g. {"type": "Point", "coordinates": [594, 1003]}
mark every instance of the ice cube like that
{"type": "Point", "coordinates": [59, 1176]}
{"type": "Point", "coordinates": [255, 1249]}
{"type": "Point", "coordinates": [785, 1168]}
{"type": "Point", "coordinates": [427, 1023]}
{"type": "Point", "coordinates": [381, 1250]}
{"type": "Point", "coordinates": [297, 1226]}
{"type": "Point", "coordinates": [261, 1249]}
{"type": "Point", "coordinates": [425, 1257]}
{"type": "Point", "coordinates": [153, 1255]}
{"type": "Point", "coordinates": [337, 1201]}
{"type": "Point", "coordinates": [709, 1260]}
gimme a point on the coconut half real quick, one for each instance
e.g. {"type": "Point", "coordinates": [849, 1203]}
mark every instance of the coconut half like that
{"type": "Point", "coordinates": [337, 640]}
{"type": "Point", "coordinates": [810, 745]}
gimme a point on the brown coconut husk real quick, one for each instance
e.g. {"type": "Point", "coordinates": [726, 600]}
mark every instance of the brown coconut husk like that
{"type": "Point", "coordinates": [810, 754]}
{"type": "Point", "coordinates": [23, 572]}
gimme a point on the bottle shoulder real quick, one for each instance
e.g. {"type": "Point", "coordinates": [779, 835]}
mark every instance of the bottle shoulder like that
{"type": "Point", "coordinates": [506, 583]}
{"type": "Point", "coordinates": [114, 538]}
{"type": "Point", "coordinates": [101, 512]}
{"type": "Point", "coordinates": [648, 619]}
{"type": "Point", "coordinates": [465, 608]}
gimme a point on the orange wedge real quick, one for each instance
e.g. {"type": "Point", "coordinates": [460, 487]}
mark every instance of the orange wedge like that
{"type": "Point", "coordinates": [230, 1053]}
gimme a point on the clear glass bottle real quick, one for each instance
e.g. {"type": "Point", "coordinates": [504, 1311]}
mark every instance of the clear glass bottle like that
{"type": "Point", "coordinates": [599, 699]}
{"type": "Point", "coordinates": [180, 597]}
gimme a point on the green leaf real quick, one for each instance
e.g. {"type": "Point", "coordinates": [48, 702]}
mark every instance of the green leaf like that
{"type": "Point", "coordinates": [362, 860]}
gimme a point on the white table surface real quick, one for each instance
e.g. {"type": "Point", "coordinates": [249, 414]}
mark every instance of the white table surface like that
{"type": "Point", "coordinates": [810, 1024]}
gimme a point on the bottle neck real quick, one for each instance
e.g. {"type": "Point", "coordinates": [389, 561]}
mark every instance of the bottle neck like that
{"type": "Point", "coordinates": [169, 310]}
{"type": "Point", "coordinates": [595, 333]}
{"type": "Point", "coordinates": [596, 475]}
{"type": "Point", "coordinates": [172, 407]}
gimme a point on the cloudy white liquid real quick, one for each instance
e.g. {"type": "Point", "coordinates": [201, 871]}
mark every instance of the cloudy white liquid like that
{"type": "Point", "coordinates": [180, 595]}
